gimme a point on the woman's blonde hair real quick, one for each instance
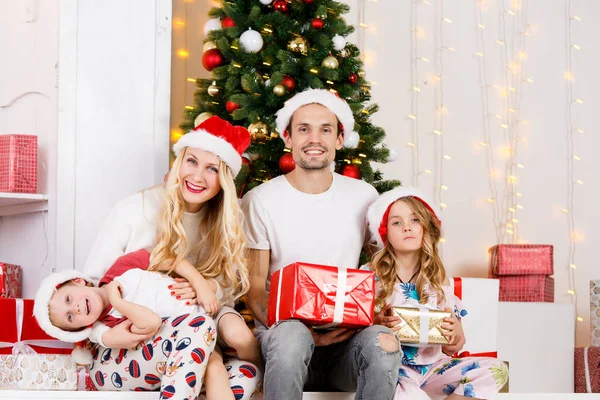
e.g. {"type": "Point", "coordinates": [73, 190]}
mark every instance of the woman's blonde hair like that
{"type": "Point", "coordinates": [221, 251]}
{"type": "Point", "coordinates": [431, 269]}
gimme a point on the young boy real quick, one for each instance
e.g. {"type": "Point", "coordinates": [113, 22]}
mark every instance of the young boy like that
{"type": "Point", "coordinates": [67, 305]}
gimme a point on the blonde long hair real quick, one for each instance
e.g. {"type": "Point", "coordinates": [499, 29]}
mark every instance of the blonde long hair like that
{"type": "Point", "coordinates": [221, 251]}
{"type": "Point", "coordinates": [431, 269]}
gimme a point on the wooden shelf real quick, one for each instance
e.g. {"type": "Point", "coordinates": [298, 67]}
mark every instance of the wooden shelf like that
{"type": "Point", "coordinates": [22, 203]}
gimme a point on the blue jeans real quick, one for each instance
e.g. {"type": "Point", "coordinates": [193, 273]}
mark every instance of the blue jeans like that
{"type": "Point", "coordinates": [293, 363]}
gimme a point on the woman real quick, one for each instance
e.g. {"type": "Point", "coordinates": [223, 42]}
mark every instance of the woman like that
{"type": "Point", "coordinates": [195, 215]}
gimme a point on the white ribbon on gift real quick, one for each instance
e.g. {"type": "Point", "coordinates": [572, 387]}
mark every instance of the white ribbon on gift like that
{"type": "Point", "coordinates": [23, 346]}
{"type": "Point", "coordinates": [423, 323]}
{"type": "Point", "coordinates": [588, 384]}
{"type": "Point", "coordinates": [340, 298]}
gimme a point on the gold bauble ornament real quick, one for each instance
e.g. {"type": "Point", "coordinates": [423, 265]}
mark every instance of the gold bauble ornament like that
{"type": "Point", "coordinates": [258, 131]}
{"type": "Point", "coordinates": [330, 62]}
{"type": "Point", "coordinates": [209, 45]}
{"type": "Point", "coordinates": [213, 90]}
{"type": "Point", "coordinates": [279, 90]}
{"type": "Point", "coordinates": [201, 118]}
{"type": "Point", "coordinates": [361, 73]}
{"type": "Point", "coordinates": [298, 45]}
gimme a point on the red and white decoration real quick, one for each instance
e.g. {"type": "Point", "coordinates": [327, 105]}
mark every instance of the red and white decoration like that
{"type": "Point", "coordinates": [18, 163]}
{"type": "Point", "coordinates": [10, 280]}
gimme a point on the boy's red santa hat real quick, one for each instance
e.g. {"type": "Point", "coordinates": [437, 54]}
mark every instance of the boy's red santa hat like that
{"type": "Point", "coordinates": [378, 212]}
{"type": "Point", "coordinates": [219, 137]}
{"type": "Point", "coordinates": [334, 103]}
{"type": "Point", "coordinates": [41, 312]}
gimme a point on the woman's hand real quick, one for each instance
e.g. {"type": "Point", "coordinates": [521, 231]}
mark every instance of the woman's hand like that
{"type": "Point", "coordinates": [183, 290]}
{"type": "Point", "coordinates": [113, 290]}
{"type": "Point", "coordinates": [391, 321]}
{"type": "Point", "coordinates": [453, 331]}
{"type": "Point", "coordinates": [121, 337]}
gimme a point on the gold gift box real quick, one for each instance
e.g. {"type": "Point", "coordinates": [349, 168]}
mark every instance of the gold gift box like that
{"type": "Point", "coordinates": [410, 331]}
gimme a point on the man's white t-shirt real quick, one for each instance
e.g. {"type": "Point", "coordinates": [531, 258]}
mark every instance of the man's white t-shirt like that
{"type": "Point", "coordinates": [328, 228]}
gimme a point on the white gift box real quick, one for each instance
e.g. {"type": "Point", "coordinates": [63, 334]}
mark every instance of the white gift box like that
{"type": "Point", "coordinates": [480, 298]}
{"type": "Point", "coordinates": [38, 372]}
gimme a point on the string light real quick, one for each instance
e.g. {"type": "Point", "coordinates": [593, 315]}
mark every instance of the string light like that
{"type": "Point", "coordinates": [573, 236]}
{"type": "Point", "coordinates": [414, 83]}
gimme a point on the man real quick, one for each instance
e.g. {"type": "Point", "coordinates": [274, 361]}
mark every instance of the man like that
{"type": "Point", "coordinates": [316, 216]}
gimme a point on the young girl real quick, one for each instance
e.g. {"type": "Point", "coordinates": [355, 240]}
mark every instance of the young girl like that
{"type": "Point", "coordinates": [409, 271]}
{"type": "Point", "coordinates": [194, 215]}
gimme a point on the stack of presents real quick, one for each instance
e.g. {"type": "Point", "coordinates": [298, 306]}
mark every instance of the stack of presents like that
{"type": "Point", "coordinates": [587, 359]}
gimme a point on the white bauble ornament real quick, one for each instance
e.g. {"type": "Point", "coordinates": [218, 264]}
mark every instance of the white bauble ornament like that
{"type": "Point", "coordinates": [266, 2]}
{"type": "Point", "coordinates": [268, 83]}
{"type": "Point", "coordinates": [351, 140]}
{"type": "Point", "coordinates": [212, 25]}
{"type": "Point", "coordinates": [338, 42]}
{"type": "Point", "coordinates": [251, 41]}
{"type": "Point", "coordinates": [394, 154]}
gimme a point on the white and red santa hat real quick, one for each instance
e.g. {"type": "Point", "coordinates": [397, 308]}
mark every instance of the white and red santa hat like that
{"type": "Point", "coordinates": [333, 102]}
{"type": "Point", "coordinates": [218, 136]}
{"type": "Point", "coordinates": [41, 312]}
{"type": "Point", "coordinates": [378, 212]}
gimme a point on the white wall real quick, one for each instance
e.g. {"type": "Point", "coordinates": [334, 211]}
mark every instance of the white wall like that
{"type": "Point", "coordinates": [29, 49]}
{"type": "Point", "coordinates": [468, 219]}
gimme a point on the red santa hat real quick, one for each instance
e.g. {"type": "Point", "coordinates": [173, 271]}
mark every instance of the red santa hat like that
{"type": "Point", "coordinates": [316, 96]}
{"type": "Point", "coordinates": [41, 312]}
{"type": "Point", "coordinates": [378, 212]}
{"type": "Point", "coordinates": [218, 136]}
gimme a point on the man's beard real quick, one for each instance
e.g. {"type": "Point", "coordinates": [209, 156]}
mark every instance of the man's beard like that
{"type": "Point", "coordinates": [313, 166]}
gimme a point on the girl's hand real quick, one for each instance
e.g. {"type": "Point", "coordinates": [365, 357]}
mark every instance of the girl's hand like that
{"type": "Point", "coordinates": [113, 290]}
{"type": "Point", "coordinates": [183, 290]}
{"type": "Point", "coordinates": [391, 321]}
{"type": "Point", "coordinates": [453, 331]}
{"type": "Point", "coordinates": [206, 297]}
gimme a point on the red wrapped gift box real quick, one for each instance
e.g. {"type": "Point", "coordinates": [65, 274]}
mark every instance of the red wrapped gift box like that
{"type": "Point", "coordinates": [527, 288]}
{"type": "Point", "coordinates": [10, 280]}
{"type": "Point", "coordinates": [587, 374]}
{"type": "Point", "coordinates": [521, 259]}
{"type": "Point", "coordinates": [309, 292]}
{"type": "Point", "coordinates": [18, 163]}
{"type": "Point", "coordinates": [20, 330]}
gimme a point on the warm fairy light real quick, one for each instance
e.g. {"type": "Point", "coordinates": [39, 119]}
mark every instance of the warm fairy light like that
{"type": "Point", "coordinates": [520, 166]}
{"type": "Point", "coordinates": [569, 76]}
{"type": "Point", "coordinates": [504, 126]}
{"type": "Point", "coordinates": [579, 319]}
{"type": "Point", "coordinates": [529, 80]}
{"type": "Point", "coordinates": [437, 132]}
{"type": "Point", "coordinates": [411, 144]}
{"type": "Point", "coordinates": [423, 59]}
{"type": "Point", "coordinates": [444, 187]}
{"type": "Point", "coordinates": [481, 26]}
{"type": "Point", "coordinates": [183, 53]}
{"type": "Point", "coordinates": [578, 101]}
{"type": "Point", "coordinates": [580, 131]}
{"type": "Point", "coordinates": [576, 47]}
{"type": "Point", "coordinates": [442, 240]}
{"type": "Point", "coordinates": [416, 89]}
{"type": "Point", "coordinates": [579, 181]}
{"type": "Point", "coordinates": [448, 20]}
{"type": "Point", "coordinates": [176, 134]}
{"type": "Point", "coordinates": [480, 54]}
{"type": "Point", "coordinates": [519, 194]}
{"type": "Point", "coordinates": [573, 266]}
{"type": "Point", "coordinates": [447, 157]}
{"type": "Point", "coordinates": [412, 116]}
{"type": "Point", "coordinates": [500, 42]}
{"type": "Point", "coordinates": [490, 200]}
{"type": "Point", "coordinates": [514, 220]}
{"type": "Point", "coordinates": [191, 80]}
{"type": "Point", "coordinates": [512, 210]}
{"type": "Point", "coordinates": [510, 231]}
{"type": "Point", "coordinates": [576, 158]}
{"type": "Point", "coordinates": [484, 144]}
{"type": "Point", "coordinates": [189, 107]}
{"type": "Point", "coordinates": [520, 207]}
{"type": "Point", "coordinates": [179, 23]}
{"type": "Point", "coordinates": [576, 18]}
{"type": "Point", "coordinates": [566, 211]}
{"type": "Point", "coordinates": [443, 205]}
{"type": "Point", "coordinates": [571, 291]}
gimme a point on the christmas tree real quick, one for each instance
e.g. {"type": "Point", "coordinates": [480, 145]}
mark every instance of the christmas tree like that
{"type": "Point", "coordinates": [262, 52]}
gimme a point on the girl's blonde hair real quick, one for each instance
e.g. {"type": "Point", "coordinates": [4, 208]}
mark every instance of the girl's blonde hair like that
{"type": "Point", "coordinates": [221, 251]}
{"type": "Point", "coordinates": [431, 269]}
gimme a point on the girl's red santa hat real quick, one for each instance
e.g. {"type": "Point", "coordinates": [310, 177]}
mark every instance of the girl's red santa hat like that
{"type": "Point", "coordinates": [41, 312]}
{"type": "Point", "coordinates": [219, 137]}
{"type": "Point", "coordinates": [378, 212]}
{"type": "Point", "coordinates": [334, 103]}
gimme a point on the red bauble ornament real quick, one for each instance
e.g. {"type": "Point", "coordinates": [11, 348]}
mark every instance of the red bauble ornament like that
{"type": "Point", "coordinates": [351, 171]}
{"type": "Point", "coordinates": [289, 83]}
{"type": "Point", "coordinates": [353, 78]}
{"type": "Point", "coordinates": [227, 23]}
{"type": "Point", "coordinates": [245, 161]}
{"type": "Point", "coordinates": [280, 6]}
{"type": "Point", "coordinates": [317, 23]}
{"type": "Point", "coordinates": [211, 59]}
{"type": "Point", "coordinates": [230, 106]}
{"type": "Point", "coordinates": [286, 163]}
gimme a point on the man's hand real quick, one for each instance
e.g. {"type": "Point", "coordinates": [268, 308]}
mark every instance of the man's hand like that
{"type": "Point", "coordinates": [391, 321]}
{"type": "Point", "coordinates": [453, 331]}
{"type": "Point", "coordinates": [113, 290]}
{"type": "Point", "coordinates": [121, 337]}
{"type": "Point", "coordinates": [326, 338]}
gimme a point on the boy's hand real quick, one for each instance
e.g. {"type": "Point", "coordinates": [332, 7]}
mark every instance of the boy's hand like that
{"type": "Point", "coordinates": [113, 290]}
{"type": "Point", "coordinates": [206, 297]}
{"type": "Point", "coordinates": [453, 331]}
